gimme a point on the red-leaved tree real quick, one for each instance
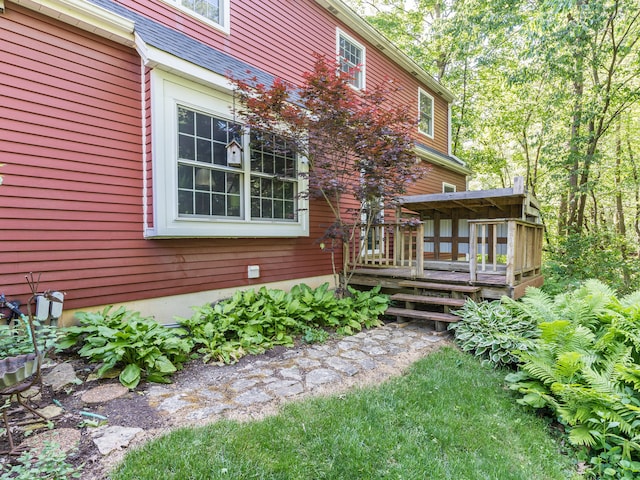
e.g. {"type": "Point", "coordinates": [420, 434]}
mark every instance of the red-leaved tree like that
{"type": "Point", "coordinates": [357, 143]}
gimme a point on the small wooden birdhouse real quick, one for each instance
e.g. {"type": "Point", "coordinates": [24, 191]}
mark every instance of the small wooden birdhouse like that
{"type": "Point", "coordinates": [234, 154]}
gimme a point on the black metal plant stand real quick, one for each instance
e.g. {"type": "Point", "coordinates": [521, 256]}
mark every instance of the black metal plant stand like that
{"type": "Point", "coordinates": [25, 370]}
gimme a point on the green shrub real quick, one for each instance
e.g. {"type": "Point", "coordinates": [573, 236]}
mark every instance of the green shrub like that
{"type": "Point", "coordinates": [140, 346]}
{"type": "Point", "coordinates": [251, 322]}
{"type": "Point", "coordinates": [585, 367]}
{"type": "Point", "coordinates": [489, 330]}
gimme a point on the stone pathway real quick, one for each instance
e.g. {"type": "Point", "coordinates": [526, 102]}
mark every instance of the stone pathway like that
{"type": "Point", "coordinates": [255, 389]}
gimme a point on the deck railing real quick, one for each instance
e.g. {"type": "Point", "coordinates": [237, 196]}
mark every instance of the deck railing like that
{"type": "Point", "coordinates": [389, 245]}
{"type": "Point", "coordinates": [524, 249]}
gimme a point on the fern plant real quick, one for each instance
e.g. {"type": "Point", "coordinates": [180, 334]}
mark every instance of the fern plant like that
{"type": "Point", "coordinates": [584, 366]}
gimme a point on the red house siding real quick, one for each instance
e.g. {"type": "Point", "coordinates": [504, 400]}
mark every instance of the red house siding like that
{"type": "Point", "coordinates": [281, 38]}
{"type": "Point", "coordinates": [72, 202]}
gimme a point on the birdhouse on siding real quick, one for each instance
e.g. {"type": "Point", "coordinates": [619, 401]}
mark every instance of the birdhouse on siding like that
{"type": "Point", "coordinates": [234, 154]}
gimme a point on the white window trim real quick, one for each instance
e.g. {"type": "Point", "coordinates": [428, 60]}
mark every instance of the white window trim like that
{"type": "Point", "coordinates": [446, 185]}
{"type": "Point", "coordinates": [167, 91]}
{"type": "Point", "coordinates": [224, 5]}
{"type": "Point", "coordinates": [363, 67]}
{"type": "Point", "coordinates": [433, 107]}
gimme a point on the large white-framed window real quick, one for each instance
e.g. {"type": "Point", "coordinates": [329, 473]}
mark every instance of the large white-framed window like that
{"type": "Point", "coordinates": [213, 12]}
{"type": "Point", "coordinates": [196, 191]}
{"type": "Point", "coordinates": [352, 59]}
{"type": "Point", "coordinates": [425, 109]}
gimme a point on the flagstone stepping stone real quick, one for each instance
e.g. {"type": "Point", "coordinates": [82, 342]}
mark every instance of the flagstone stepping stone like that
{"type": "Point", "coordinates": [110, 438]}
{"type": "Point", "coordinates": [104, 393]}
{"type": "Point", "coordinates": [62, 375]}
{"type": "Point", "coordinates": [66, 439]}
{"type": "Point", "coordinates": [50, 411]}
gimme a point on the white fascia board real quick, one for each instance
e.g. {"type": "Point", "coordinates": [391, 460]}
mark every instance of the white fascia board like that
{"type": "Point", "coordinates": [443, 162]}
{"type": "Point", "coordinates": [87, 16]}
{"type": "Point", "coordinates": [153, 57]}
{"type": "Point", "coordinates": [386, 47]}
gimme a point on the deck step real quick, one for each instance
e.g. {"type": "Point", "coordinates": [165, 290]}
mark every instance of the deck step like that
{"type": "Point", "coordinates": [449, 302]}
{"type": "Point", "coordinates": [422, 315]}
{"type": "Point", "coordinates": [439, 286]}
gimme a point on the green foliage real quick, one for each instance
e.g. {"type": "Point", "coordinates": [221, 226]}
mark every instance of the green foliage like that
{"type": "Point", "coordinates": [123, 339]}
{"type": "Point", "coordinates": [585, 367]}
{"type": "Point", "coordinates": [50, 464]}
{"type": "Point", "coordinates": [489, 330]}
{"type": "Point", "coordinates": [581, 257]}
{"type": "Point", "coordinates": [315, 335]}
{"type": "Point", "coordinates": [251, 322]}
{"type": "Point", "coordinates": [16, 339]}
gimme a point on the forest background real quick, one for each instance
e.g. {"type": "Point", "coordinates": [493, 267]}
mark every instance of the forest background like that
{"type": "Point", "coordinates": [550, 90]}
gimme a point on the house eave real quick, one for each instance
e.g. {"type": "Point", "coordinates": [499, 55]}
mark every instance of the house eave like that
{"type": "Point", "coordinates": [359, 25]}
{"type": "Point", "coordinates": [86, 16]}
{"type": "Point", "coordinates": [449, 162]}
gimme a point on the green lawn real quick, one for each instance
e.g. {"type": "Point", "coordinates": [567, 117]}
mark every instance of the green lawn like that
{"type": "Point", "coordinates": [448, 418]}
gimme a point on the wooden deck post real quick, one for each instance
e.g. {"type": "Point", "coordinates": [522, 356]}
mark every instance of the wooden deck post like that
{"type": "Point", "coordinates": [420, 250]}
{"type": "Point", "coordinates": [473, 252]}
{"type": "Point", "coordinates": [511, 249]}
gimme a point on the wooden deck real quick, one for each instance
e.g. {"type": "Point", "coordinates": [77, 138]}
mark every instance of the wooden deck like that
{"type": "Point", "coordinates": [492, 286]}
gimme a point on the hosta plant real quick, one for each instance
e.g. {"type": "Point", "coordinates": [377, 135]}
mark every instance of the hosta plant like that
{"type": "Point", "coordinates": [139, 346]}
{"type": "Point", "coordinates": [490, 331]}
{"type": "Point", "coordinates": [252, 321]}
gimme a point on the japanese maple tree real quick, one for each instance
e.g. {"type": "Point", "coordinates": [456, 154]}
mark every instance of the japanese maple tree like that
{"type": "Point", "coordinates": [358, 145]}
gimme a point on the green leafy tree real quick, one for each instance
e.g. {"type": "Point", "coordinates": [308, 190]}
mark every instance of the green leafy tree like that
{"type": "Point", "coordinates": [358, 144]}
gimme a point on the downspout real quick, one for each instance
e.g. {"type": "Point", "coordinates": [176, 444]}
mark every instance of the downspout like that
{"type": "Point", "coordinates": [143, 117]}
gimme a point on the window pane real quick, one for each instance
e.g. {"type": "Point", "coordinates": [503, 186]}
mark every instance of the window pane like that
{"type": "Point", "coordinates": [203, 179]}
{"type": "Point", "coordinates": [186, 147]}
{"type": "Point", "coordinates": [185, 121]}
{"type": "Point", "coordinates": [255, 208]}
{"type": "Point", "coordinates": [185, 176]}
{"type": "Point", "coordinates": [203, 203]}
{"type": "Point", "coordinates": [266, 208]}
{"type": "Point", "coordinates": [233, 183]}
{"type": "Point", "coordinates": [233, 207]}
{"type": "Point", "coordinates": [220, 131]}
{"type": "Point", "coordinates": [203, 125]}
{"type": "Point", "coordinates": [278, 209]}
{"type": "Point", "coordinates": [185, 202]}
{"type": "Point", "coordinates": [267, 190]}
{"type": "Point", "coordinates": [219, 154]}
{"type": "Point", "coordinates": [218, 181]}
{"type": "Point", "coordinates": [218, 205]}
{"type": "Point", "coordinates": [204, 150]}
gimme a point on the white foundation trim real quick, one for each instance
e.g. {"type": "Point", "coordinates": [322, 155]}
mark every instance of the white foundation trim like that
{"type": "Point", "coordinates": [165, 309]}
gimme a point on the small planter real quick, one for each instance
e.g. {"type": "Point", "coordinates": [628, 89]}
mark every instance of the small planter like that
{"type": "Point", "coordinates": [15, 370]}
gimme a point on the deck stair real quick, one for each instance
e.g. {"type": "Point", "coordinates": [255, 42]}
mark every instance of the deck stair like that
{"type": "Point", "coordinates": [426, 296]}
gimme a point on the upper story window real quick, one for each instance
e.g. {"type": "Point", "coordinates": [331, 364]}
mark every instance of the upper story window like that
{"type": "Point", "coordinates": [425, 108]}
{"type": "Point", "coordinates": [351, 56]}
{"type": "Point", "coordinates": [448, 187]}
{"type": "Point", "coordinates": [215, 12]}
{"type": "Point", "coordinates": [199, 190]}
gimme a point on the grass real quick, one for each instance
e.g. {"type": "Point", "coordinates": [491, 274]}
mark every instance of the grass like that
{"type": "Point", "coordinates": [448, 418]}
